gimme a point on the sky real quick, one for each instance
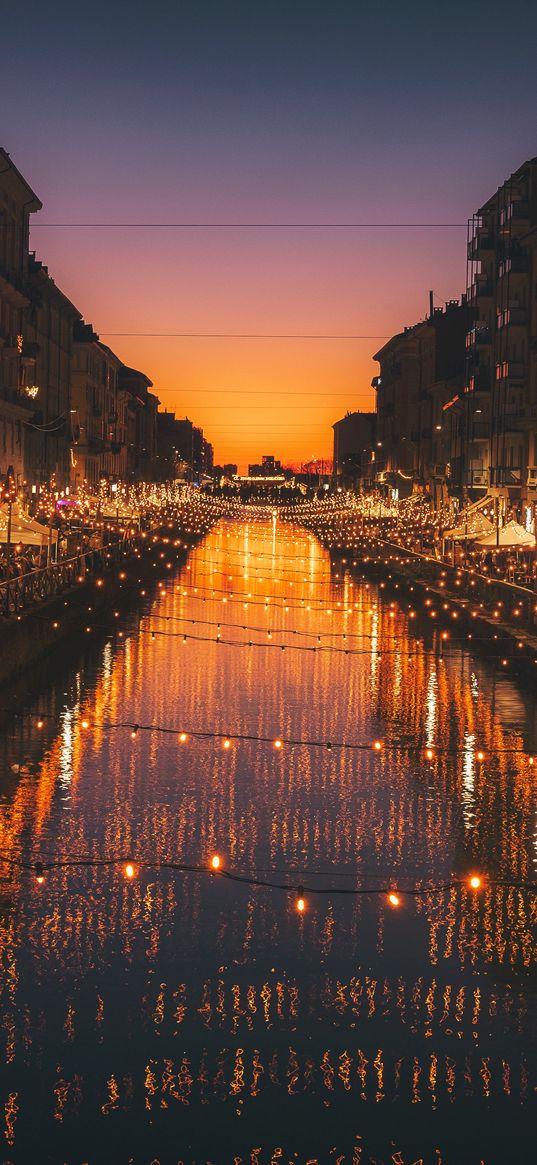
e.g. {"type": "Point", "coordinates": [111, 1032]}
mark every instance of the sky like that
{"type": "Point", "coordinates": [247, 116]}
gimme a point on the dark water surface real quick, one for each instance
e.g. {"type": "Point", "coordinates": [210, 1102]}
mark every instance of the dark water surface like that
{"type": "Point", "coordinates": [185, 1018]}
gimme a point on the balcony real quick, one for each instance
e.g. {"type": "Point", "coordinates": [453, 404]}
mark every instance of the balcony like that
{"type": "Point", "coordinates": [532, 476]}
{"type": "Point", "coordinates": [517, 264]}
{"type": "Point", "coordinates": [510, 370]}
{"type": "Point", "coordinates": [478, 336]}
{"type": "Point", "coordinates": [516, 212]}
{"type": "Point", "coordinates": [506, 475]}
{"type": "Point", "coordinates": [513, 317]}
{"type": "Point", "coordinates": [30, 352]}
{"type": "Point", "coordinates": [481, 288]}
{"type": "Point", "coordinates": [12, 286]}
{"type": "Point", "coordinates": [478, 478]}
{"type": "Point", "coordinates": [512, 423]}
{"type": "Point", "coordinates": [481, 243]}
{"type": "Point", "coordinates": [479, 381]}
{"type": "Point", "coordinates": [480, 431]}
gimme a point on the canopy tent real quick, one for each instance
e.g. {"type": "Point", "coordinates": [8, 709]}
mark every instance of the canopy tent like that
{"type": "Point", "coordinates": [24, 529]}
{"type": "Point", "coordinates": [512, 534]}
{"type": "Point", "coordinates": [475, 525]}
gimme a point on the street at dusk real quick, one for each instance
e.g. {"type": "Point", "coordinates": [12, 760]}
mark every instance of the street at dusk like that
{"type": "Point", "coordinates": [268, 585]}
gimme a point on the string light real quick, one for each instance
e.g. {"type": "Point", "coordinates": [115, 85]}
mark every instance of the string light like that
{"type": "Point", "coordinates": [394, 896]}
{"type": "Point", "coordinates": [227, 738]}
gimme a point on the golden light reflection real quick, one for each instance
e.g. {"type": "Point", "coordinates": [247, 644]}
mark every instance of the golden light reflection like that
{"type": "Point", "coordinates": [209, 956]}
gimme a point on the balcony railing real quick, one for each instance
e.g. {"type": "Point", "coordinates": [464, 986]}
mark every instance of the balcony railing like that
{"type": "Point", "coordinates": [513, 317]}
{"type": "Point", "coordinates": [518, 264]}
{"type": "Point", "coordinates": [482, 240]}
{"type": "Point", "coordinates": [506, 475]}
{"type": "Point", "coordinates": [517, 210]}
{"type": "Point", "coordinates": [479, 381]}
{"type": "Point", "coordinates": [478, 335]}
{"type": "Point", "coordinates": [510, 370]}
{"type": "Point", "coordinates": [480, 431]}
{"type": "Point", "coordinates": [481, 287]}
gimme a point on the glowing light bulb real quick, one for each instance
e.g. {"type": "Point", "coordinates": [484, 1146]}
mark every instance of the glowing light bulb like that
{"type": "Point", "coordinates": [129, 870]}
{"type": "Point", "coordinates": [277, 744]}
{"type": "Point", "coordinates": [85, 723]}
{"type": "Point", "coordinates": [215, 862]}
{"type": "Point", "coordinates": [394, 899]}
{"type": "Point", "coordinates": [182, 737]}
{"type": "Point", "coordinates": [429, 754]}
{"type": "Point", "coordinates": [134, 732]}
{"type": "Point", "coordinates": [377, 745]}
{"type": "Point", "coordinates": [480, 755]}
{"type": "Point", "coordinates": [40, 723]}
{"type": "Point", "coordinates": [227, 742]}
{"type": "Point", "coordinates": [475, 882]}
{"type": "Point", "coordinates": [39, 873]}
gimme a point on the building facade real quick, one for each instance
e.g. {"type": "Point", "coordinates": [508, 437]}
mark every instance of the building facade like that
{"type": "Point", "coordinates": [421, 370]}
{"type": "Point", "coordinates": [50, 319]}
{"type": "Point", "coordinates": [495, 417]}
{"type": "Point", "coordinates": [354, 448]}
{"type": "Point", "coordinates": [17, 407]}
{"type": "Point", "coordinates": [99, 411]}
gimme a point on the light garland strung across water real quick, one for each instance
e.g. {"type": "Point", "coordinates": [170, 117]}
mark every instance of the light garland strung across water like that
{"type": "Point", "coordinates": [394, 890]}
{"type": "Point", "coordinates": [183, 734]}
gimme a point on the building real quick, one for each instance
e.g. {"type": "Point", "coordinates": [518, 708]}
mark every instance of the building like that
{"type": "Point", "coordinates": [183, 450]}
{"type": "Point", "coordinates": [17, 356]}
{"type": "Point", "coordinates": [99, 411]}
{"type": "Point", "coordinates": [50, 319]}
{"type": "Point", "coordinates": [354, 450]}
{"type": "Point", "coordinates": [142, 407]}
{"type": "Point", "coordinates": [421, 370]}
{"type": "Point", "coordinates": [269, 467]}
{"type": "Point", "coordinates": [495, 453]}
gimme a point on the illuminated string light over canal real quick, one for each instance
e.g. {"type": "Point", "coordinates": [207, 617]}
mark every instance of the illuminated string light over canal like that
{"type": "Point", "coordinates": [281, 901]}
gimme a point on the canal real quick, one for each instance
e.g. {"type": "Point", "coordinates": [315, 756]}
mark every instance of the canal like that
{"type": "Point", "coordinates": [178, 1016]}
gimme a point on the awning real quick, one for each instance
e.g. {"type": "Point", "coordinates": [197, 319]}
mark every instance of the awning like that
{"type": "Point", "coordinates": [512, 534]}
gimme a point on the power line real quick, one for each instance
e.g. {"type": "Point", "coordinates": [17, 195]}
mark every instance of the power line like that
{"type": "Point", "coordinates": [242, 336]}
{"type": "Point", "coordinates": [319, 226]}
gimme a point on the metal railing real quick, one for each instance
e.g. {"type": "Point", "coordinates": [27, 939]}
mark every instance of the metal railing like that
{"type": "Point", "coordinates": [47, 582]}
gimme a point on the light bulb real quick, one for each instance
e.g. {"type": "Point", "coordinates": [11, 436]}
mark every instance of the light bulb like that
{"type": "Point", "coordinates": [394, 899]}
{"type": "Point", "coordinates": [129, 870]}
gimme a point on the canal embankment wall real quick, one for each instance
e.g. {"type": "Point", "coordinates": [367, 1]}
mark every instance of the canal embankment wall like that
{"type": "Point", "coordinates": [61, 622]}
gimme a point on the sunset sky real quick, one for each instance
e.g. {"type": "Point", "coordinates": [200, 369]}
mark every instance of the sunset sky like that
{"type": "Point", "coordinates": [262, 113]}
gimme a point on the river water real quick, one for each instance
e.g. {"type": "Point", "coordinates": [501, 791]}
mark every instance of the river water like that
{"type": "Point", "coordinates": [183, 1017]}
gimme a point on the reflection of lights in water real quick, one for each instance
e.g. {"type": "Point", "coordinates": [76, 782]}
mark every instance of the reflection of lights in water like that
{"type": "Point", "coordinates": [431, 704]}
{"type": "Point", "coordinates": [474, 686]}
{"type": "Point", "coordinates": [468, 781]}
{"type": "Point", "coordinates": [106, 664]}
{"type": "Point", "coordinates": [374, 631]}
{"type": "Point", "coordinates": [66, 748]}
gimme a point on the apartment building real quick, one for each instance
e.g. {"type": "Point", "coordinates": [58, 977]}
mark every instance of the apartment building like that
{"type": "Point", "coordinates": [495, 417]}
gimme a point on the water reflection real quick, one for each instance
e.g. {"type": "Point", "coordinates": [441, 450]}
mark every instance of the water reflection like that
{"type": "Point", "coordinates": [134, 1009]}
